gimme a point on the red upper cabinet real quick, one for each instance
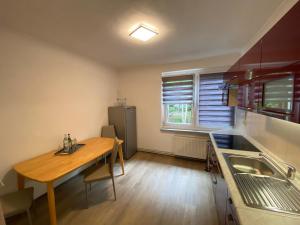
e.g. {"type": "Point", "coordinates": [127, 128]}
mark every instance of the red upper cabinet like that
{"type": "Point", "coordinates": [280, 56]}
{"type": "Point", "coordinates": [250, 63]}
{"type": "Point", "coordinates": [268, 75]}
{"type": "Point", "coordinates": [249, 89]}
{"type": "Point", "coordinates": [231, 75]}
{"type": "Point", "coordinates": [249, 95]}
{"type": "Point", "coordinates": [247, 67]}
{"type": "Point", "coordinates": [281, 45]}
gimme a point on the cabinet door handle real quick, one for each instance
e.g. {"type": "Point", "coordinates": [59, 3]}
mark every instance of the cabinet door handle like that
{"type": "Point", "coordinates": [214, 178]}
{"type": "Point", "coordinates": [219, 170]}
{"type": "Point", "coordinates": [230, 217]}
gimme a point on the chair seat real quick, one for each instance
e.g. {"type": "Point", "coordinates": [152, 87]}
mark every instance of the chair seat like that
{"type": "Point", "coordinates": [16, 202]}
{"type": "Point", "coordinates": [97, 173]}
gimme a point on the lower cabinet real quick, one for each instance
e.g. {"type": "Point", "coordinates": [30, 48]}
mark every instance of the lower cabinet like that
{"type": "Point", "coordinates": [220, 196]}
{"type": "Point", "coordinates": [224, 205]}
{"type": "Point", "coordinates": [231, 215]}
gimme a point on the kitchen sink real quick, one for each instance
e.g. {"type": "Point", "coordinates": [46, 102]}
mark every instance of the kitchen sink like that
{"type": "Point", "coordinates": [251, 165]}
{"type": "Point", "coordinates": [262, 186]}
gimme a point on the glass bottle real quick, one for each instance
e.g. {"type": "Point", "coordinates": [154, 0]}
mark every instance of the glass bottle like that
{"type": "Point", "coordinates": [69, 142]}
{"type": "Point", "coordinates": [66, 143]}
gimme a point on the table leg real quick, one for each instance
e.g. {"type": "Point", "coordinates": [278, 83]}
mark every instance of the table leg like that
{"type": "Point", "coordinates": [2, 220]}
{"type": "Point", "coordinates": [21, 182]}
{"type": "Point", "coordinates": [120, 151]}
{"type": "Point", "coordinates": [51, 203]}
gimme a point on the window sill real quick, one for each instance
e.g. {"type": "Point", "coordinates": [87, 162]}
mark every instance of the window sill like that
{"type": "Point", "coordinates": [182, 130]}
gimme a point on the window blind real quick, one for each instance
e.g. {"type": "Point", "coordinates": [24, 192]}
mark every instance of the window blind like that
{"type": "Point", "coordinates": [278, 93]}
{"type": "Point", "coordinates": [178, 89]}
{"type": "Point", "coordinates": [211, 111]}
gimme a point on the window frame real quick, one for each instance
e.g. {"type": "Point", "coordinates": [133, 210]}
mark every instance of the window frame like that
{"type": "Point", "coordinates": [195, 125]}
{"type": "Point", "coordinates": [164, 123]}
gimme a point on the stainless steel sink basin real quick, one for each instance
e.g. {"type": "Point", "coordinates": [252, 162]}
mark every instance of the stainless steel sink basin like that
{"type": "Point", "coordinates": [262, 186]}
{"type": "Point", "coordinates": [255, 166]}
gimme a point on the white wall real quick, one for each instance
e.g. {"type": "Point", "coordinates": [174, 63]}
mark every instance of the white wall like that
{"type": "Point", "coordinates": [279, 136]}
{"type": "Point", "coordinates": [142, 88]}
{"type": "Point", "coordinates": [46, 92]}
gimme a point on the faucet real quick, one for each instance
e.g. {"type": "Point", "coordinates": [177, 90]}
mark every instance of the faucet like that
{"type": "Point", "coordinates": [291, 172]}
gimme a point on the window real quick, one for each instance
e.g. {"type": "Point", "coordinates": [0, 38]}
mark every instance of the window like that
{"type": "Point", "coordinates": [195, 101]}
{"type": "Point", "coordinates": [178, 99]}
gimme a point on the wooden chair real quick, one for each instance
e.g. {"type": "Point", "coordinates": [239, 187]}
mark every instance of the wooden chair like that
{"type": "Point", "coordinates": [102, 172]}
{"type": "Point", "coordinates": [17, 202]}
{"type": "Point", "coordinates": [110, 132]}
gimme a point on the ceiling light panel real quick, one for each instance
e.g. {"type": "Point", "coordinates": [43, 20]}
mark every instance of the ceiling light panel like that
{"type": "Point", "coordinates": [143, 33]}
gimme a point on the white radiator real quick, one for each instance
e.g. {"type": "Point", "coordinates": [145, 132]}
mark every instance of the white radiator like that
{"type": "Point", "coordinates": [190, 146]}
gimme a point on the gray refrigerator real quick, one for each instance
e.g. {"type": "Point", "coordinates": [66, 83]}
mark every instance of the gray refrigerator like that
{"type": "Point", "coordinates": [124, 120]}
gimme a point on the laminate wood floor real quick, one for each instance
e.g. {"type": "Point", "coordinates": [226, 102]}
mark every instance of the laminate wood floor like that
{"type": "Point", "coordinates": [156, 190]}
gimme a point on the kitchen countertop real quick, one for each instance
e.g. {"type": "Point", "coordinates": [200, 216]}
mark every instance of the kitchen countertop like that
{"type": "Point", "coordinates": [248, 215]}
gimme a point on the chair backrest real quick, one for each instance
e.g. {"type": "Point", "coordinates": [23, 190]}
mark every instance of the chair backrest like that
{"type": "Point", "coordinates": [114, 154]}
{"type": "Point", "coordinates": [108, 131]}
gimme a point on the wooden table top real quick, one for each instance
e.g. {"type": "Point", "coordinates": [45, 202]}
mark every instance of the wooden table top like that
{"type": "Point", "coordinates": [49, 167]}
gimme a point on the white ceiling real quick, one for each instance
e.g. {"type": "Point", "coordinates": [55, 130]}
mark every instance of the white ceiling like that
{"type": "Point", "coordinates": [188, 29]}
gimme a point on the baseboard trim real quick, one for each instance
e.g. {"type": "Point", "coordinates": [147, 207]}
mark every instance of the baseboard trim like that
{"type": "Point", "coordinates": [155, 151]}
{"type": "Point", "coordinates": [190, 158]}
{"type": "Point", "coordinates": [168, 154]}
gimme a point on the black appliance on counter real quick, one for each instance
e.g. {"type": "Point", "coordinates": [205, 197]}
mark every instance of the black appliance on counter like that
{"type": "Point", "coordinates": [230, 142]}
{"type": "Point", "coordinates": [236, 142]}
